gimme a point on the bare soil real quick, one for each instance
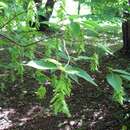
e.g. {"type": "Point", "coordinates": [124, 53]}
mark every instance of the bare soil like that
{"type": "Point", "coordinates": [91, 108]}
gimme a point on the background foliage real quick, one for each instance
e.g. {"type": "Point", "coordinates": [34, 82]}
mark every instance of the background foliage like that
{"type": "Point", "coordinates": [53, 55]}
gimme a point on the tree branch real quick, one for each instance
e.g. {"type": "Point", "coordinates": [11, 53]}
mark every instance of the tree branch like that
{"type": "Point", "coordinates": [42, 39]}
{"type": "Point", "coordinates": [9, 39]}
{"type": "Point", "coordinates": [27, 45]}
{"type": "Point", "coordinates": [12, 19]}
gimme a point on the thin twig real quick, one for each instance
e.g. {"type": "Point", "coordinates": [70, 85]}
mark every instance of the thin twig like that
{"type": "Point", "coordinates": [33, 43]}
{"type": "Point", "coordinates": [12, 19]}
{"type": "Point", "coordinates": [30, 44]}
{"type": "Point", "coordinates": [11, 40]}
{"type": "Point", "coordinates": [15, 16]}
{"type": "Point", "coordinates": [66, 53]}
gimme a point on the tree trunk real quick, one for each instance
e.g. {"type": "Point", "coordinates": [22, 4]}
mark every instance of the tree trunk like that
{"type": "Point", "coordinates": [45, 17]}
{"type": "Point", "coordinates": [126, 32]}
{"type": "Point", "coordinates": [79, 7]}
{"type": "Point", "coordinates": [49, 8]}
{"type": "Point", "coordinates": [92, 7]}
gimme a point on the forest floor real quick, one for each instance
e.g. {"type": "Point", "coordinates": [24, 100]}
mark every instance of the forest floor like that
{"type": "Point", "coordinates": [91, 108]}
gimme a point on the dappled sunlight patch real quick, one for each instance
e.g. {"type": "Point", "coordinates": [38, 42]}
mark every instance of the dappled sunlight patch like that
{"type": "Point", "coordinates": [10, 118]}
{"type": "Point", "coordinates": [71, 124]}
{"type": "Point", "coordinates": [5, 121]}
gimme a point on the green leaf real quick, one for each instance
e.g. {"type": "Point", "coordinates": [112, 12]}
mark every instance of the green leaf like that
{"type": "Point", "coordinates": [115, 81]}
{"type": "Point", "coordinates": [91, 28]}
{"type": "Point", "coordinates": [103, 49]}
{"type": "Point", "coordinates": [127, 77]}
{"type": "Point", "coordinates": [3, 5]}
{"type": "Point", "coordinates": [93, 24]}
{"type": "Point", "coordinates": [86, 76]}
{"type": "Point", "coordinates": [75, 29]}
{"type": "Point", "coordinates": [66, 109]}
{"type": "Point", "coordinates": [41, 92]}
{"type": "Point", "coordinates": [40, 77]}
{"type": "Point", "coordinates": [42, 65]}
{"type": "Point", "coordinates": [74, 77]}
{"type": "Point", "coordinates": [53, 61]}
{"type": "Point", "coordinates": [124, 127]}
{"type": "Point", "coordinates": [62, 89]}
{"type": "Point", "coordinates": [80, 73]}
{"type": "Point", "coordinates": [79, 58]}
{"type": "Point", "coordinates": [121, 72]}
